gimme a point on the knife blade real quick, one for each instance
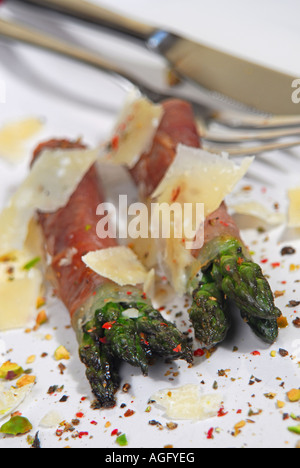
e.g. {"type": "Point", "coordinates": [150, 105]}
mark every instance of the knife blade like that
{"type": "Point", "coordinates": [252, 84]}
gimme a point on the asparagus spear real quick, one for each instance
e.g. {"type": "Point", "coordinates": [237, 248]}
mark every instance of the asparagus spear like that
{"type": "Point", "coordinates": [266, 330]}
{"type": "Point", "coordinates": [241, 280]}
{"type": "Point", "coordinates": [101, 370]}
{"type": "Point", "coordinates": [209, 313]}
{"type": "Point", "coordinates": [133, 332]}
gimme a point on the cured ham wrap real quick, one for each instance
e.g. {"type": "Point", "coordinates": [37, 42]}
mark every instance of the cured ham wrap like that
{"type": "Point", "coordinates": [113, 323]}
{"type": "Point", "coordinates": [227, 273]}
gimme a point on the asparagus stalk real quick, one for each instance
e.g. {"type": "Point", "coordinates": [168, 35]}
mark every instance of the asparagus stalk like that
{"type": "Point", "coordinates": [242, 281]}
{"type": "Point", "coordinates": [101, 370]}
{"type": "Point", "coordinates": [129, 331]}
{"type": "Point", "coordinates": [233, 276]}
{"type": "Point", "coordinates": [209, 314]}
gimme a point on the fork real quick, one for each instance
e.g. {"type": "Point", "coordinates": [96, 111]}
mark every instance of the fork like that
{"type": "Point", "coordinates": [236, 129]}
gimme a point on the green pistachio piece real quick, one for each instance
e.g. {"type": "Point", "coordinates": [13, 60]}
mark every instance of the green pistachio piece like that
{"type": "Point", "coordinates": [16, 425]}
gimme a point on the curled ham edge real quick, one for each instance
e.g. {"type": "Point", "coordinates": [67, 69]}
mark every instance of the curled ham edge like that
{"type": "Point", "coordinates": [178, 127]}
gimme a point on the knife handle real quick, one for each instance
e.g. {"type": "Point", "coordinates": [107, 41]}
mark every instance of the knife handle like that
{"type": "Point", "coordinates": [15, 31]}
{"type": "Point", "coordinates": [96, 14]}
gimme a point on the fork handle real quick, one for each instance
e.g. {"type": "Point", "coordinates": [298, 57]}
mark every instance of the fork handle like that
{"type": "Point", "coordinates": [90, 12]}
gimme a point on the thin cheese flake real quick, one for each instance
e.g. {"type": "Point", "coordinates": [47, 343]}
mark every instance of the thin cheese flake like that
{"type": "Point", "coordinates": [294, 208]}
{"type": "Point", "coordinates": [51, 420]}
{"type": "Point", "coordinates": [195, 177]}
{"type": "Point", "coordinates": [48, 187]}
{"type": "Point", "coordinates": [259, 211]}
{"type": "Point", "coordinates": [14, 137]}
{"type": "Point", "coordinates": [134, 131]}
{"type": "Point", "coordinates": [11, 398]}
{"type": "Point", "coordinates": [188, 403]}
{"type": "Point", "coordinates": [119, 264]}
{"type": "Point", "coordinates": [20, 287]}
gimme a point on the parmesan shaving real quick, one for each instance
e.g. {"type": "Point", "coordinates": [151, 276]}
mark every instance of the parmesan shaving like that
{"type": "Point", "coordinates": [188, 403]}
{"type": "Point", "coordinates": [51, 420]}
{"type": "Point", "coordinates": [200, 177]}
{"type": "Point", "coordinates": [15, 135]}
{"type": "Point", "coordinates": [120, 265]}
{"type": "Point", "coordinates": [48, 187]}
{"type": "Point", "coordinates": [134, 130]}
{"type": "Point", "coordinates": [131, 313]}
{"type": "Point", "coordinates": [259, 211]}
{"type": "Point", "coordinates": [195, 177]}
{"type": "Point", "coordinates": [20, 287]}
{"type": "Point", "coordinates": [11, 398]}
{"type": "Point", "coordinates": [294, 208]}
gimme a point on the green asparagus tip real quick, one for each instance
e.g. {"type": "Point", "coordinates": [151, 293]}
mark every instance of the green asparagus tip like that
{"type": "Point", "coordinates": [209, 314]}
{"type": "Point", "coordinates": [242, 281]}
{"type": "Point", "coordinates": [266, 330]}
{"type": "Point", "coordinates": [135, 333]}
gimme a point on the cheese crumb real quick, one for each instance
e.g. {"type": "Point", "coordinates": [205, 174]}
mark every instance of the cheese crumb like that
{"type": "Point", "coordinates": [188, 403]}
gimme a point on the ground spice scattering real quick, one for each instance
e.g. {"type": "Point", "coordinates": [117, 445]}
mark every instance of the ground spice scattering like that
{"type": "Point", "coordinates": [129, 413]}
{"type": "Point", "coordinates": [296, 322]}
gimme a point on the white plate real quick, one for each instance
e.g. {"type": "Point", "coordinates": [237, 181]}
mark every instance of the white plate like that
{"type": "Point", "coordinates": [75, 101]}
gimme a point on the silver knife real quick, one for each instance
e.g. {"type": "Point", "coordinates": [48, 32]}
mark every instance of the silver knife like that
{"type": "Point", "coordinates": [249, 83]}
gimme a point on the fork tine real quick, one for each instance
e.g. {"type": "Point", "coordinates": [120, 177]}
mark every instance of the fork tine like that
{"type": "Point", "coordinates": [237, 150]}
{"type": "Point", "coordinates": [246, 136]}
{"type": "Point", "coordinates": [243, 121]}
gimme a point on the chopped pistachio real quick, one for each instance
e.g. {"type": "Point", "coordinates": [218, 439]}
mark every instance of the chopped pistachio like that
{"type": "Point", "coordinates": [122, 440]}
{"type": "Point", "coordinates": [31, 264]}
{"type": "Point", "coordinates": [294, 395]}
{"type": "Point", "coordinates": [295, 429]}
{"type": "Point", "coordinates": [25, 380]}
{"type": "Point", "coordinates": [16, 425]}
{"type": "Point", "coordinates": [10, 370]}
{"type": "Point", "coordinates": [61, 353]}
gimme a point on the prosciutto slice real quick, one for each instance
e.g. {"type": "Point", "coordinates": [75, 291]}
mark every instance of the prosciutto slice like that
{"type": "Point", "coordinates": [70, 233]}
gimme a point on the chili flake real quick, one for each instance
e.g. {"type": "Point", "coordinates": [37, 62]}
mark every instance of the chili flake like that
{"type": "Point", "coordinates": [199, 352]}
{"type": "Point", "coordinates": [108, 325]}
{"type": "Point", "coordinates": [175, 194]}
{"type": "Point", "coordinates": [115, 142]}
{"type": "Point", "coordinates": [177, 349]}
{"type": "Point", "coordinates": [221, 412]}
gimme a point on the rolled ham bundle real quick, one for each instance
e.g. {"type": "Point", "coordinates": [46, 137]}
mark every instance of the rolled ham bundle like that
{"type": "Point", "coordinates": [227, 271]}
{"type": "Point", "coordinates": [99, 308]}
